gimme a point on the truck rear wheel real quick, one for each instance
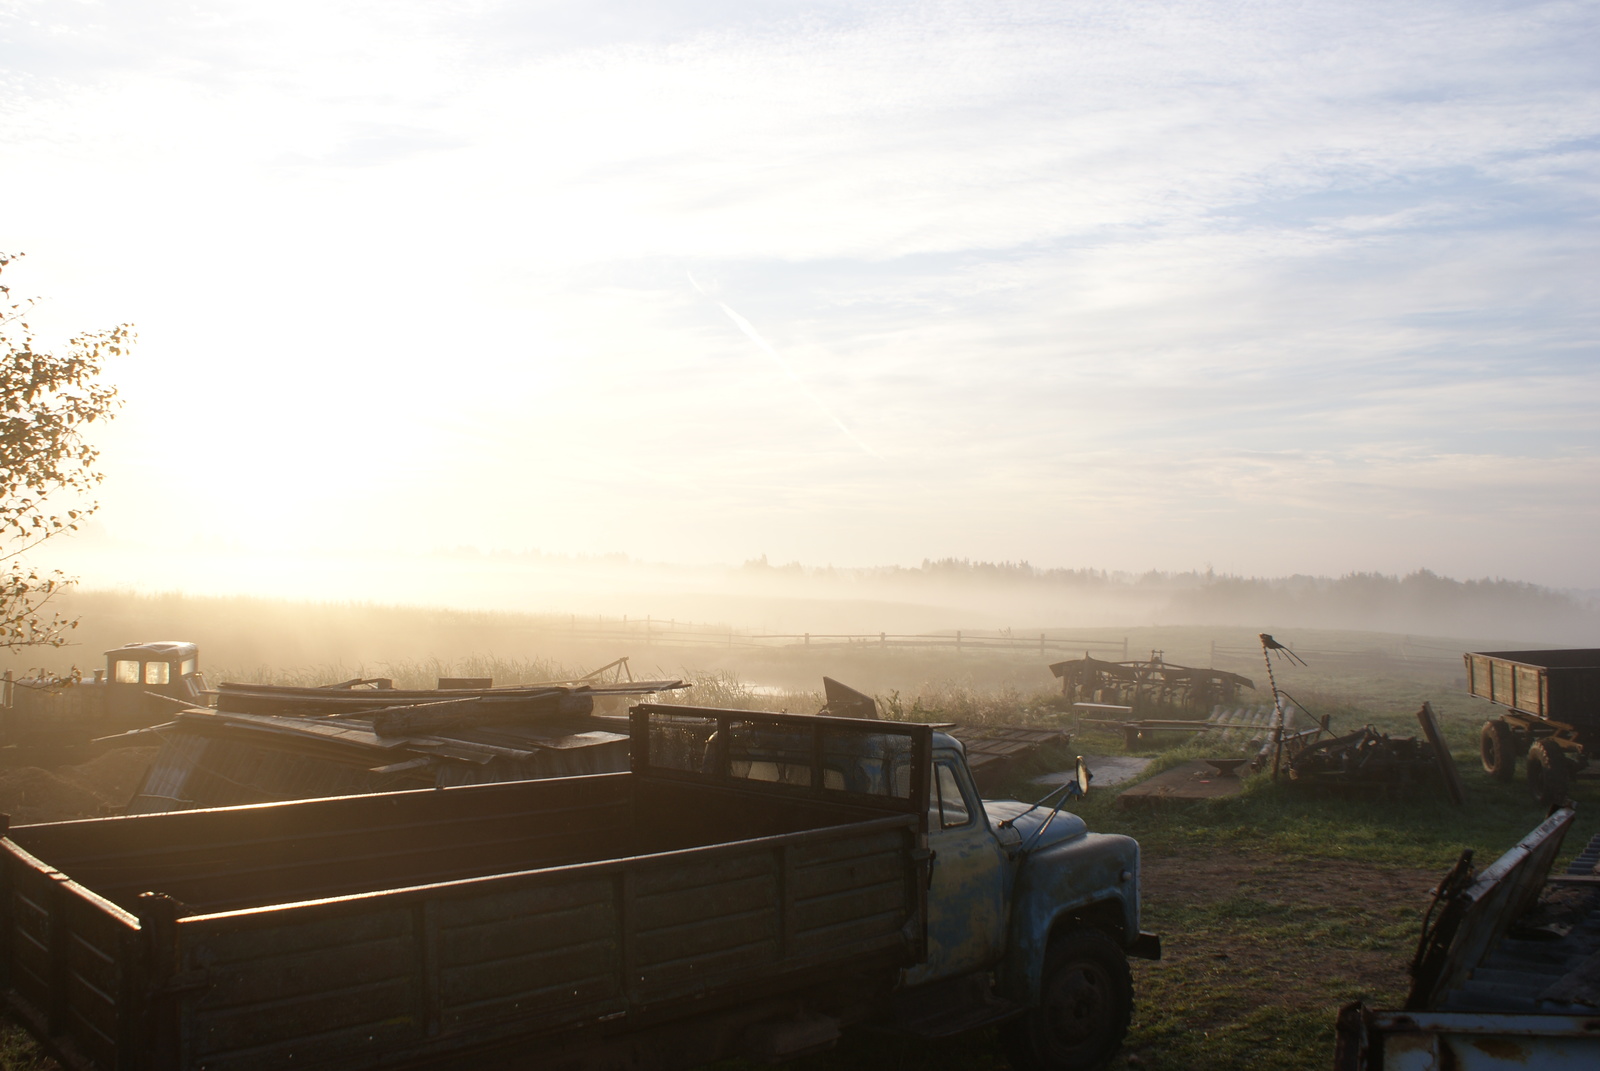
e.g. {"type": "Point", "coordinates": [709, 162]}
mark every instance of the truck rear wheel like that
{"type": "Point", "coordinates": [1549, 773]}
{"type": "Point", "coordinates": [1497, 747]}
{"type": "Point", "coordinates": [1085, 1003]}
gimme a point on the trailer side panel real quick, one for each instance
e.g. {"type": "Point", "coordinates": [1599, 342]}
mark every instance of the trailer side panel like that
{"type": "Point", "coordinates": [362, 980]}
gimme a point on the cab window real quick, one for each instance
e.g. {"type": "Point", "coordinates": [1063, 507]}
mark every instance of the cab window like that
{"type": "Point", "coordinates": [187, 667]}
{"type": "Point", "coordinates": [157, 672]}
{"type": "Point", "coordinates": [948, 803]}
{"type": "Point", "coordinates": [125, 672]}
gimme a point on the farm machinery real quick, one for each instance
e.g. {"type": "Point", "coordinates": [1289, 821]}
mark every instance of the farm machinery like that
{"type": "Point", "coordinates": [1552, 717]}
{"type": "Point", "coordinates": [143, 683]}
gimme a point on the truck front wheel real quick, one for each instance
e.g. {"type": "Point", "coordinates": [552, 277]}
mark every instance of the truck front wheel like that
{"type": "Point", "coordinates": [1085, 1002]}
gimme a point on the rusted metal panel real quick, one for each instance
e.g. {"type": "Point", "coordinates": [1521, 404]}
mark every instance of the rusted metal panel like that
{"type": "Point", "coordinates": [211, 759]}
{"type": "Point", "coordinates": [1441, 755]}
{"type": "Point", "coordinates": [1141, 681]}
{"type": "Point", "coordinates": [1429, 1041]}
{"type": "Point", "coordinates": [1504, 974]}
{"type": "Point", "coordinates": [1476, 918]}
{"type": "Point", "coordinates": [993, 751]}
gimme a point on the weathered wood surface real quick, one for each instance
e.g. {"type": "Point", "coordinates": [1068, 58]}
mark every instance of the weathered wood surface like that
{"type": "Point", "coordinates": [415, 926]}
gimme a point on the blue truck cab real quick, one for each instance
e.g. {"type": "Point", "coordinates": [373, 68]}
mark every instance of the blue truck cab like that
{"type": "Point", "coordinates": [1027, 899]}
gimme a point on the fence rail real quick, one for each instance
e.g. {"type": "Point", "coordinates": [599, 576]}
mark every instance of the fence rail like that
{"type": "Point", "coordinates": [661, 632]}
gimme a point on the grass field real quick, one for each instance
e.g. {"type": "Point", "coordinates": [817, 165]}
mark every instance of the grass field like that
{"type": "Point", "coordinates": [1274, 908]}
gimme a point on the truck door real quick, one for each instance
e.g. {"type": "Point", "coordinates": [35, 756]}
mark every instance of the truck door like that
{"type": "Point", "coordinates": [966, 894]}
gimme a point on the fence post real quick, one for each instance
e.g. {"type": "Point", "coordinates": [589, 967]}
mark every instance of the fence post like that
{"type": "Point", "coordinates": [883, 639]}
{"type": "Point", "coordinates": [958, 641]}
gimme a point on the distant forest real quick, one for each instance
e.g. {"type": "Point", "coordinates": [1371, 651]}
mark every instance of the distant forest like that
{"type": "Point", "coordinates": [1422, 601]}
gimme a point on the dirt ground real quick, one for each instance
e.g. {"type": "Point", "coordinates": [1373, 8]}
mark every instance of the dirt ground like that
{"type": "Point", "coordinates": [103, 785]}
{"type": "Point", "coordinates": [1309, 888]}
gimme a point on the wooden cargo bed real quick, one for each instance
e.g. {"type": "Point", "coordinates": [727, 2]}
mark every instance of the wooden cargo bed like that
{"type": "Point", "coordinates": [1560, 685]}
{"type": "Point", "coordinates": [403, 927]}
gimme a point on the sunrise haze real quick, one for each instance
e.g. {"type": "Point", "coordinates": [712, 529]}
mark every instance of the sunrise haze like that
{"type": "Point", "coordinates": [1265, 289]}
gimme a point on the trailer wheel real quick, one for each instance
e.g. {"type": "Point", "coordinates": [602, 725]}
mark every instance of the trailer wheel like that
{"type": "Point", "coordinates": [1497, 747]}
{"type": "Point", "coordinates": [1085, 1003]}
{"type": "Point", "coordinates": [1549, 773]}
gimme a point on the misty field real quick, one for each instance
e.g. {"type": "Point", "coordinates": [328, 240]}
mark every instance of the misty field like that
{"type": "Point", "coordinates": [1274, 907]}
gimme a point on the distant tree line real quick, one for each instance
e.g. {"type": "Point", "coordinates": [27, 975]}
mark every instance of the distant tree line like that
{"type": "Point", "coordinates": [1421, 601]}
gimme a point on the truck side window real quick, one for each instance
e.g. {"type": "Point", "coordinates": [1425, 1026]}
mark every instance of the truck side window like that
{"type": "Point", "coordinates": [126, 672]}
{"type": "Point", "coordinates": [187, 667]}
{"type": "Point", "coordinates": [952, 807]}
{"type": "Point", "coordinates": [157, 672]}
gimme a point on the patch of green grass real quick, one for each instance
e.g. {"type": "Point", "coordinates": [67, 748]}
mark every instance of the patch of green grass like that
{"type": "Point", "coordinates": [1237, 1036]}
{"type": "Point", "coordinates": [18, 1051]}
{"type": "Point", "coordinates": [1421, 829]}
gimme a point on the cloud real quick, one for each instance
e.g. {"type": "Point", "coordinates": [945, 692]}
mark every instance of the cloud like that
{"type": "Point", "coordinates": [1126, 275]}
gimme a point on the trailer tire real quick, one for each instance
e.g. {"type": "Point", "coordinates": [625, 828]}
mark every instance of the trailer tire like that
{"type": "Point", "coordinates": [1085, 1004]}
{"type": "Point", "coordinates": [1549, 773]}
{"type": "Point", "coordinates": [1497, 747]}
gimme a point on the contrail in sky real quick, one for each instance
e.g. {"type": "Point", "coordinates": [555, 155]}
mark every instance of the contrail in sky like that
{"type": "Point", "coordinates": [788, 370]}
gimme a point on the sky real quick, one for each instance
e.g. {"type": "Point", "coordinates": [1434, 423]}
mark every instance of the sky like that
{"type": "Point", "coordinates": [1270, 288]}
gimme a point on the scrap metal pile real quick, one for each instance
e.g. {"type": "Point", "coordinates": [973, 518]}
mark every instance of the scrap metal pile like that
{"type": "Point", "coordinates": [1363, 761]}
{"type": "Point", "coordinates": [1152, 681]}
{"type": "Point", "coordinates": [265, 742]}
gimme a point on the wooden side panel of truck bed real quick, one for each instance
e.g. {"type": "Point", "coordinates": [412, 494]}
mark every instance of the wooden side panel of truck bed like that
{"type": "Point", "coordinates": [279, 935]}
{"type": "Point", "coordinates": [349, 981]}
{"type": "Point", "coordinates": [73, 963]}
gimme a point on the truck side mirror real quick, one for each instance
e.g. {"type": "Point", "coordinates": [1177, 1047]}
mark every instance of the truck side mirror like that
{"type": "Point", "coordinates": [1084, 777]}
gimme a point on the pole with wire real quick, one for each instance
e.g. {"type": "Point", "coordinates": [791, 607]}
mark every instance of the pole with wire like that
{"type": "Point", "coordinates": [1268, 645]}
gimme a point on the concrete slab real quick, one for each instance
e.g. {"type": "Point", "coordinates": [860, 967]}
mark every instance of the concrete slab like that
{"type": "Point", "coordinates": [1107, 769]}
{"type": "Point", "coordinates": [1197, 780]}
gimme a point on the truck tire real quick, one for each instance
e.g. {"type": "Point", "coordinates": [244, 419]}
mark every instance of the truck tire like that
{"type": "Point", "coordinates": [1085, 1002]}
{"type": "Point", "coordinates": [1497, 747]}
{"type": "Point", "coordinates": [1549, 773]}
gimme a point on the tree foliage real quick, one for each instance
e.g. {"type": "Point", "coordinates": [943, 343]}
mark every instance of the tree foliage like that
{"type": "Point", "coordinates": [47, 402]}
